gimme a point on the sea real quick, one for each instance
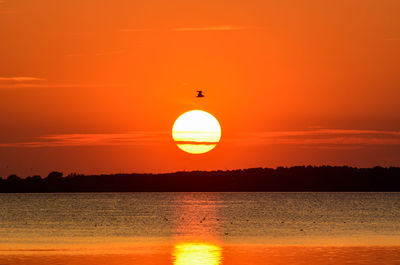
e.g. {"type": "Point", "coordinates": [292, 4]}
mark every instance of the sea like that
{"type": "Point", "coordinates": [200, 228]}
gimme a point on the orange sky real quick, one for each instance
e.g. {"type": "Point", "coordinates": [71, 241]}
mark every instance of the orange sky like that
{"type": "Point", "coordinates": [95, 86]}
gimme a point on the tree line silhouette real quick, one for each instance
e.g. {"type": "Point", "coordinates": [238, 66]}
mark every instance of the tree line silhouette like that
{"type": "Point", "coordinates": [299, 178]}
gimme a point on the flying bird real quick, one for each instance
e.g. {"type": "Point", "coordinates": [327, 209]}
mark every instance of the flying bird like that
{"type": "Point", "coordinates": [200, 94]}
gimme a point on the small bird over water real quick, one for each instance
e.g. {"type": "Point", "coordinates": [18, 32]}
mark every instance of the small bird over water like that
{"type": "Point", "coordinates": [200, 94]}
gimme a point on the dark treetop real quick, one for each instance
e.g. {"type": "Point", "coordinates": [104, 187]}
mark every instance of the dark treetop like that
{"type": "Point", "coordinates": [300, 178]}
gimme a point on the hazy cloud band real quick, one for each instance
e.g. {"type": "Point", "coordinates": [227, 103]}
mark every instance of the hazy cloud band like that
{"type": "Point", "coordinates": [20, 79]}
{"type": "Point", "coordinates": [320, 138]}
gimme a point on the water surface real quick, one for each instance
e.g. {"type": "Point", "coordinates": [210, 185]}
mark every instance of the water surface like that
{"type": "Point", "coordinates": [200, 228]}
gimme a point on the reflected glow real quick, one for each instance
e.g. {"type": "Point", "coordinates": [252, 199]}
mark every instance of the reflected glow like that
{"type": "Point", "coordinates": [196, 254]}
{"type": "Point", "coordinates": [196, 132]}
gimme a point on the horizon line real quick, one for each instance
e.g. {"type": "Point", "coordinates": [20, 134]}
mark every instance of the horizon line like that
{"type": "Point", "coordinates": [208, 171]}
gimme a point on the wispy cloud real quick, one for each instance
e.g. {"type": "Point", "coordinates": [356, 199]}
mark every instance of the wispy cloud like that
{"type": "Point", "coordinates": [213, 28]}
{"type": "Point", "coordinates": [6, 11]}
{"type": "Point", "coordinates": [323, 138]}
{"type": "Point", "coordinates": [20, 79]}
{"type": "Point", "coordinates": [92, 139]}
{"type": "Point", "coordinates": [16, 86]}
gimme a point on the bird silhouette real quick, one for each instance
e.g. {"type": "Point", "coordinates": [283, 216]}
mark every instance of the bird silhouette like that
{"type": "Point", "coordinates": [200, 94]}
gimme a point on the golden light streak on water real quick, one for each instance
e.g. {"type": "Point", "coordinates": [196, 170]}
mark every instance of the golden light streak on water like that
{"type": "Point", "coordinates": [197, 254]}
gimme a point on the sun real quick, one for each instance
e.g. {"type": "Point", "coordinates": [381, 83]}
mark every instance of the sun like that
{"type": "Point", "coordinates": [196, 132]}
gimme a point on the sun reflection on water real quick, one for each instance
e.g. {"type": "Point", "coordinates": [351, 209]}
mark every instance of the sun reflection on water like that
{"type": "Point", "coordinates": [196, 254]}
{"type": "Point", "coordinates": [196, 230]}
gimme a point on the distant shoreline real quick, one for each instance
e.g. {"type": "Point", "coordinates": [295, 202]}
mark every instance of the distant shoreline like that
{"type": "Point", "coordinates": [289, 179]}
